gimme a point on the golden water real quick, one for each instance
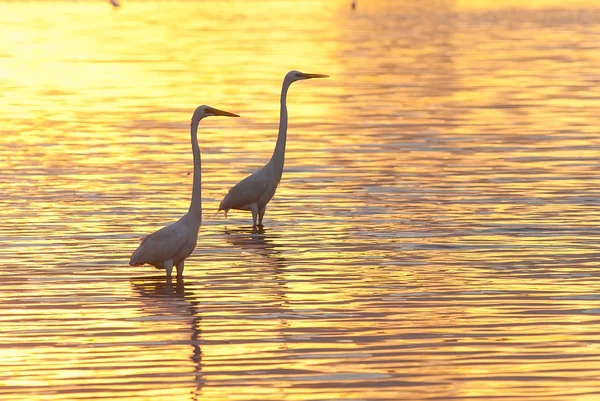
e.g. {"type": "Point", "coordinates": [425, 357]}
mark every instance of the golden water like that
{"type": "Point", "coordinates": [434, 235]}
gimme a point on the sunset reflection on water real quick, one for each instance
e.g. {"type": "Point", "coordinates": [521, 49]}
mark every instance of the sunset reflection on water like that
{"type": "Point", "coordinates": [433, 236]}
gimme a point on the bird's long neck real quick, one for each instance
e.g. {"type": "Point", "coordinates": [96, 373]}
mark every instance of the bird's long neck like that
{"type": "Point", "coordinates": [196, 204]}
{"type": "Point", "coordinates": [279, 154]}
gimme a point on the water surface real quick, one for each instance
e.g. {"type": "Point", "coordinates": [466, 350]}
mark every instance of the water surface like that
{"type": "Point", "coordinates": [434, 235]}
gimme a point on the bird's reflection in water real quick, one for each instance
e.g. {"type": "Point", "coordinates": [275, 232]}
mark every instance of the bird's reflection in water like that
{"type": "Point", "coordinates": [172, 298]}
{"type": "Point", "coordinates": [258, 242]}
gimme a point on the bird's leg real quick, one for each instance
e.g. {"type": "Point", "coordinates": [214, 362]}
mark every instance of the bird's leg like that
{"type": "Point", "coordinates": [261, 214]}
{"type": "Point", "coordinates": [180, 269]}
{"type": "Point", "coordinates": [169, 267]}
{"type": "Point", "coordinates": [254, 210]}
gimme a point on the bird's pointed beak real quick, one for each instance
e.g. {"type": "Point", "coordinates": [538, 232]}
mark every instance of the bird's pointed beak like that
{"type": "Point", "coordinates": [218, 112]}
{"type": "Point", "coordinates": [309, 76]}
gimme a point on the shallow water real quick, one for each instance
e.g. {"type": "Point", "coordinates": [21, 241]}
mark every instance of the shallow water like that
{"type": "Point", "coordinates": [434, 235]}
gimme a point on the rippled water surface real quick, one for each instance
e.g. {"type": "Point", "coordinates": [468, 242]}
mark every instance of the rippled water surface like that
{"type": "Point", "coordinates": [435, 234]}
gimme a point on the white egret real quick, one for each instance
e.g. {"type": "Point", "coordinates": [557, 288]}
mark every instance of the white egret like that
{"type": "Point", "coordinates": [255, 191]}
{"type": "Point", "coordinates": [170, 245]}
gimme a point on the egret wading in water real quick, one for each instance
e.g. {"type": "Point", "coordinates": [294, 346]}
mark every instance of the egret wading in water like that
{"type": "Point", "coordinates": [255, 191]}
{"type": "Point", "coordinates": [170, 245]}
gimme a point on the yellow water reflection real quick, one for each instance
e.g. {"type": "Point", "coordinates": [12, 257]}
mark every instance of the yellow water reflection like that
{"type": "Point", "coordinates": [433, 236]}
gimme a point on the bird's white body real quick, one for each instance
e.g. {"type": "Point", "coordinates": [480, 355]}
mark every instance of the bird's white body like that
{"type": "Point", "coordinates": [171, 245]}
{"type": "Point", "coordinates": [254, 192]}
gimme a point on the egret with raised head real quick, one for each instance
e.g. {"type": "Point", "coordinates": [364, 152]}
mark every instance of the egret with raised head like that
{"type": "Point", "coordinates": [170, 245]}
{"type": "Point", "coordinates": [255, 191]}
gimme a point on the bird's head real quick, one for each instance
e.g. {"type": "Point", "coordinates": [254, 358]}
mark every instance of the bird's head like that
{"type": "Point", "coordinates": [294, 76]}
{"type": "Point", "coordinates": [207, 111]}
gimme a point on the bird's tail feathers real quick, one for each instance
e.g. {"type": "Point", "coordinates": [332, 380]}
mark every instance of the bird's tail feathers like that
{"type": "Point", "coordinates": [219, 211]}
{"type": "Point", "coordinates": [133, 261]}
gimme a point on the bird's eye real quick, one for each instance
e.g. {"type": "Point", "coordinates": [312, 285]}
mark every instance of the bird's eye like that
{"type": "Point", "coordinates": [207, 110]}
{"type": "Point", "coordinates": [298, 75]}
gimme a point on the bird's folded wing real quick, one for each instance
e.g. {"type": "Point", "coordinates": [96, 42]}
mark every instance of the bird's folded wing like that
{"type": "Point", "coordinates": [246, 192]}
{"type": "Point", "coordinates": [162, 245]}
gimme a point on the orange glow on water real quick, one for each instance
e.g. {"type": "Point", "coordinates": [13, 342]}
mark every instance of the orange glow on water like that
{"type": "Point", "coordinates": [433, 234]}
